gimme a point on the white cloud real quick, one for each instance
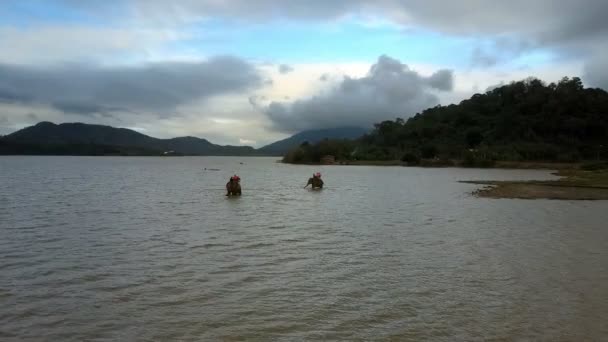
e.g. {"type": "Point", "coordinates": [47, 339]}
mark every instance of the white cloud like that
{"type": "Point", "coordinates": [247, 142]}
{"type": "Point", "coordinates": [52, 44]}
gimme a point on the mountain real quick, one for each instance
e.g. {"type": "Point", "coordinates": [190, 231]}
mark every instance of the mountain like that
{"type": "Point", "coordinates": [85, 139]}
{"type": "Point", "coordinates": [313, 136]}
{"type": "Point", "coordinates": [527, 120]}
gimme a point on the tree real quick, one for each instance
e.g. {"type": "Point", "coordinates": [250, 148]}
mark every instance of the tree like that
{"type": "Point", "coordinates": [474, 138]}
{"type": "Point", "coordinates": [428, 151]}
{"type": "Point", "coordinates": [525, 120]}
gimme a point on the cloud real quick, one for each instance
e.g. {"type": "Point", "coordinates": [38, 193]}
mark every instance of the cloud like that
{"type": "Point", "coordinates": [146, 28]}
{"type": "Point", "coordinates": [596, 71]}
{"type": "Point", "coordinates": [5, 125]}
{"type": "Point", "coordinates": [285, 69]}
{"type": "Point", "coordinates": [246, 141]}
{"type": "Point", "coordinates": [63, 43]}
{"type": "Point", "coordinates": [596, 74]}
{"type": "Point", "coordinates": [390, 89]}
{"type": "Point", "coordinates": [511, 27]}
{"type": "Point", "coordinates": [133, 31]}
{"type": "Point", "coordinates": [32, 117]}
{"type": "Point", "coordinates": [547, 19]}
{"type": "Point", "coordinates": [442, 80]}
{"type": "Point", "coordinates": [152, 88]}
{"type": "Point", "coordinates": [247, 10]}
{"type": "Point", "coordinates": [540, 22]}
{"type": "Point", "coordinates": [481, 57]}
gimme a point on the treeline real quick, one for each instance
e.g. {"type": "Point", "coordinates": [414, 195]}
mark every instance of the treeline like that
{"type": "Point", "coordinates": [341, 149]}
{"type": "Point", "coordinates": [523, 121]}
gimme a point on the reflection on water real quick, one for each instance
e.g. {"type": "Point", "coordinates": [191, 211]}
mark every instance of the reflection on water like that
{"type": "Point", "coordinates": [151, 249]}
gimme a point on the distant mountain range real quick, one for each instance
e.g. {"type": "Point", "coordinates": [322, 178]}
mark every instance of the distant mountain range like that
{"type": "Point", "coordinates": [313, 136]}
{"type": "Point", "coordinates": [86, 139]}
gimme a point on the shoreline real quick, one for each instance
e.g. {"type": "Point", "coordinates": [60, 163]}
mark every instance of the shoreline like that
{"type": "Point", "coordinates": [136, 155]}
{"type": "Point", "coordinates": [574, 185]}
{"type": "Point", "coordinates": [524, 165]}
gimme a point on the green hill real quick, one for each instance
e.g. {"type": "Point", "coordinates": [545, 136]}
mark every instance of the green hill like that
{"type": "Point", "coordinates": [281, 147]}
{"type": "Point", "coordinates": [86, 139]}
{"type": "Point", "coordinates": [523, 121]}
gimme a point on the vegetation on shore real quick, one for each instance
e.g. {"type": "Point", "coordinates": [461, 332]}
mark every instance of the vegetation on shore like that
{"type": "Point", "coordinates": [524, 121]}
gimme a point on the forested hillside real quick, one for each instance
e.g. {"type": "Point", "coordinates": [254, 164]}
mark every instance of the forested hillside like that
{"type": "Point", "coordinates": [526, 120]}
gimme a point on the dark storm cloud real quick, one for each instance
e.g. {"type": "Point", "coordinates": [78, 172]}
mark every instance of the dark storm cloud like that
{"type": "Point", "coordinates": [285, 69]}
{"type": "Point", "coordinates": [157, 88]}
{"type": "Point", "coordinates": [389, 90]}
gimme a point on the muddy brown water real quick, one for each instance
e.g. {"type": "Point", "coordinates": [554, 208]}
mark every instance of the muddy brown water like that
{"type": "Point", "coordinates": [150, 249]}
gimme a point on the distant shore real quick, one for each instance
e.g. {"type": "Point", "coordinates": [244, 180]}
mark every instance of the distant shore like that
{"type": "Point", "coordinates": [531, 165]}
{"type": "Point", "coordinates": [132, 155]}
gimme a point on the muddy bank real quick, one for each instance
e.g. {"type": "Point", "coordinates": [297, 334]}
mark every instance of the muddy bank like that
{"type": "Point", "coordinates": [574, 185]}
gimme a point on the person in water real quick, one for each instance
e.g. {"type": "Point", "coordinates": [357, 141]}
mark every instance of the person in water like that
{"type": "Point", "coordinates": [233, 187]}
{"type": "Point", "coordinates": [315, 181]}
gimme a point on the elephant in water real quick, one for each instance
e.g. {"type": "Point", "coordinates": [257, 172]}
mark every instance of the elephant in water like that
{"type": "Point", "coordinates": [315, 181]}
{"type": "Point", "coordinates": [233, 187]}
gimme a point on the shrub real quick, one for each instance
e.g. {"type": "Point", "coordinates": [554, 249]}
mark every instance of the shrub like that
{"type": "Point", "coordinates": [410, 158]}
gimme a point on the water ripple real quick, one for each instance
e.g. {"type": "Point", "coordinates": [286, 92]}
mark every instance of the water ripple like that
{"type": "Point", "coordinates": [141, 249]}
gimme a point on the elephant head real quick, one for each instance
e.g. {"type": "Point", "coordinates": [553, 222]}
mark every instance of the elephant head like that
{"type": "Point", "coordinates": [233, 187]}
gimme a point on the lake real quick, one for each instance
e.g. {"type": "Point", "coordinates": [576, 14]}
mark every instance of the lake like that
{"type": "Point", "coordinates": [149, 249]}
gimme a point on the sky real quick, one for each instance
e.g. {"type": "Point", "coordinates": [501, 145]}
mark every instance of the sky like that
{"type": "Point", "coordinates": [249, 72]}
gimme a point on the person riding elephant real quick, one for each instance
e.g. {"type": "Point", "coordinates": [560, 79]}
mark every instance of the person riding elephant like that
{"type": "Point", "coordinates": [315, 181]}
{"type": "Point", "coordinates": [233, 187]}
